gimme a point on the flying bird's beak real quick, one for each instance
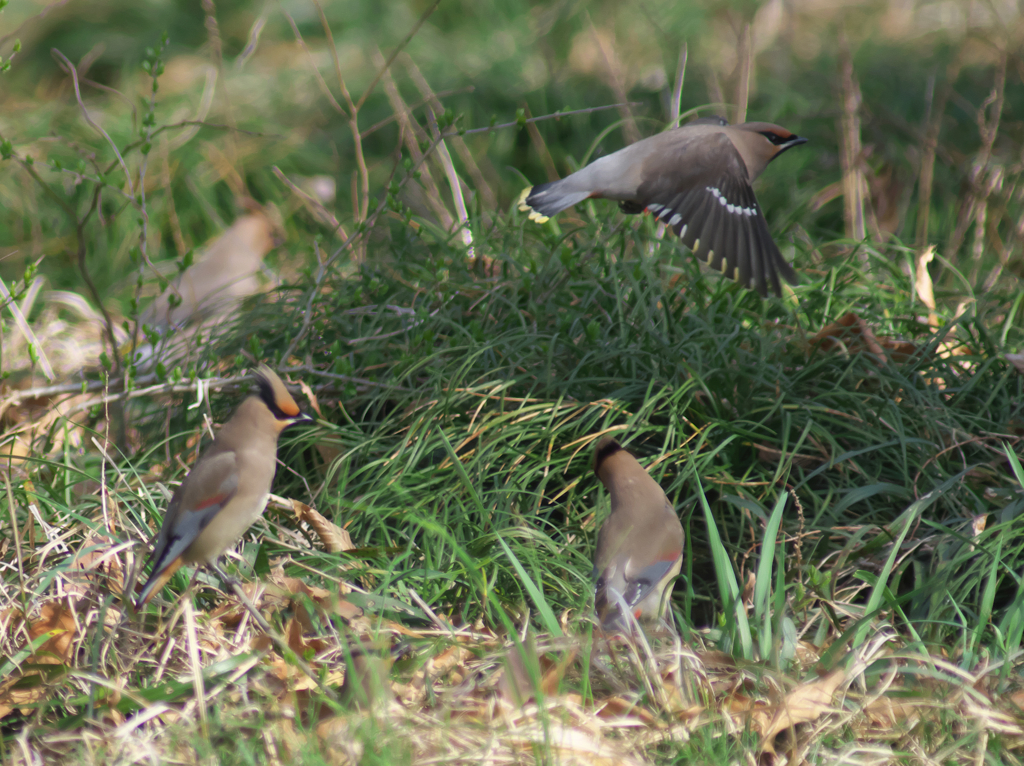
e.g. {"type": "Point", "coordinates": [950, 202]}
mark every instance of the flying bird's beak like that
{"type": "Point", "coordinates": [794, 141]}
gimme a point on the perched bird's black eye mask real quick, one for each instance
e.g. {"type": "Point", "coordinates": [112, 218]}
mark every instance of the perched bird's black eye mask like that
{"type": "Point", "coordinates": [776, 139]}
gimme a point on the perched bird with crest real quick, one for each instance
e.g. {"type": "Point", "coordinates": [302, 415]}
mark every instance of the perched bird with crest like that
{"type": "Point", "coordinates": [697, 180]}
{"type": "Point", "coordinates": [227, 488]}
{"type": "Point", "coordinates": [640, 547]}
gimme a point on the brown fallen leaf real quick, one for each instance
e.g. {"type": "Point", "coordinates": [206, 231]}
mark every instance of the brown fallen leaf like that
{"type": "Point", "coordinates": [617, 707]}
{"type": "Point", "coordinates": [885, 712]}
{"type": "Point", "coordinates": [367, 676]}
{"type": "Point", "coordinates": [93, 559]}
{"type": "Point", "coordinates": [57, 620]}
{"type": "Point", "coordinates": [805, 703]}
{"type": "Point", "coordinates": [516, 683]}
{"type": "Point", "coordinates": [447, 660]}
{"type": "Point", "coordinates": [853, 335]}
{"type": "Point", "coordinates": [18, 689]}
{"type": "Point", "coordinates": [334, 538]}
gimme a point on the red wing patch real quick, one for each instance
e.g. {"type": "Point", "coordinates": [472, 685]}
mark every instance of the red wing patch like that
{"type": "Point", "coordinates": [215, 500]}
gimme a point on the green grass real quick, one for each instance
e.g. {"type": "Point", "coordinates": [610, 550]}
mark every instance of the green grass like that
{"type": "Point", "coordinates": [461, 401]}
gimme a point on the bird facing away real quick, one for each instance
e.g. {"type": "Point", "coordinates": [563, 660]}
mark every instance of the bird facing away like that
{"type": "Point", "coordinates": [697, 180]}
{"type": "Point", "coordinates": [640, 547]}
{"type": "Point", "coordinates": [227, 488]}
{"type": "Point", "coordinates": [221, 277]}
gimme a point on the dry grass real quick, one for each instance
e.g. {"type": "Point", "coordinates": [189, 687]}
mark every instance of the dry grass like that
{"type": "Point", "coordinates": [853, 448]}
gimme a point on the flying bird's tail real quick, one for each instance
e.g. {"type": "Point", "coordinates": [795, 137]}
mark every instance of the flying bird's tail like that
{"type": "Point", "coordinates": [544, 200]}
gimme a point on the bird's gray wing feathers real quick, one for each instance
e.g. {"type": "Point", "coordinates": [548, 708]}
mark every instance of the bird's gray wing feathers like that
{"type": "Point", "coordinates": [200, 497]}
{"type": "Point", "coordinates": [711, 206]}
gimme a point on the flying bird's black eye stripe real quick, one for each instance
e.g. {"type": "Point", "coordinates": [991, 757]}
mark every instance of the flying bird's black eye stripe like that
{"type": "Point", "coordinates": [775, 138]}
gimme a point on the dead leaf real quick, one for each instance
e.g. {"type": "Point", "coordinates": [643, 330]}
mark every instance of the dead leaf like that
{"type": "Point", "coordinates": [19, 689]}
{"type": "Point", "coordinates": [885, 712]}
{"type": "Point", "coordinates": [346, 610]}
{"type": "Point", "coordinates": [367, 677]}
{"type": "Point", "coordinates": [97, 565]}
{"type": "Point", "coordinates": [447, 660]}
{"type": "Point", "coordinates": [851, 334]}
{"type": "Point", "coordinates": [805, 703]}
{"type": "Point", "coordinates": [308, 392]}
{"type": "Point", "coordinates": [516, 685]}
{"type": "Point", "coordinates": [56, 619]}
{"type": "Point", "coordinates": [617, 707]}
{"type": "Point", "coordinates": [334, 538]}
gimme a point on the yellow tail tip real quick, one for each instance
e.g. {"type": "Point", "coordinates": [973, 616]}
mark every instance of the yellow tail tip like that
{"type": "Point", "coordinates": [521, 202]}
{"type": "Point", "coordinates": [525, 208]}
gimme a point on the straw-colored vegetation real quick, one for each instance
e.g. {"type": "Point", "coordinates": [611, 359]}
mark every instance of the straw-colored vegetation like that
{"type": "Point", "coordinates": [845, 460]}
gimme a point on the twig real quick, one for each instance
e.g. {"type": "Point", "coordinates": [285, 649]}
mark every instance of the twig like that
{"type": "Point", "coordinates": [353, 121]}
{"type": "Point", "coordinates": [677, 91]}
{"type": "Point", "coordinates": [164, 388]}
{"type": "Point", "coordinates": [32, 20]}
{"type": "Point", "coordinates": [368, 224]}
{"type": "Point", "coordinates": [615, 79]}
{"type": "Point", "coordinates": [398, 49]}
{"type": "Point", "coordinates": [456, 187]}
{"type": "Point", "coordinates": [70, 68]}
{"type": "Point", "coordinates": [932, 130]}
{"type": "Point", "coordinates": [745, 65]}
{"type": "Point", "coordinates": [438, 622]}
{"type": "Point", "coordinates": [319, 78]}
{"type": "Point", "coordinates": [414, 136]}
{"type": "Point", "coordinates": [481, 186]}
{"type": "Point", "coordinates": [850, 147]}
{"type": "Point", "coordinates": [345, 378]}
{"type": "Point", "coordinates": [419, 104]}
{"type": "Point", "coordinates": [541, 148]}
{"type": "Point", "coordinates": [197, 668]}
{"type": "Point", "coordinates": [26, 330]}
{"type": "Point", "coordinates": [307, 315]}
{"type": "Point", "coordinates": [554, 116]}
{"type": "Point", "coordinates": [319, 210]}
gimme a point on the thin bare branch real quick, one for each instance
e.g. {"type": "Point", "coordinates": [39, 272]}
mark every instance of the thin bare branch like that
{"type": "Point", "coordinates": [677, 91]}
{"type": "Point", "coordinates": [418, 105]}
{"type": "Point", "coordinates": [745, 65]}
{"type": "Point", "coordinates": [318, 209]}
{"type": "Point", "coordinates": [932, 130]}
{"type": "Point", "coordinates": [854, 183]}
{"type": "Point", "coordinates": [70, 68]}
{"type": "Point", "coordinates": [319, 78]}
{"type": "Point", "coordinates": [617, 83]}
{"type": "Point", "coordinates": [555, 116]}
{"type": "Point", "coordinates": [398, 49]}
